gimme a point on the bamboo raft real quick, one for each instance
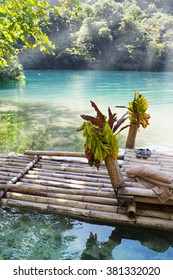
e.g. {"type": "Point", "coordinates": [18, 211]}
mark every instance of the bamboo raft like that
{"type": "Point", "coordinates": [64, 183]}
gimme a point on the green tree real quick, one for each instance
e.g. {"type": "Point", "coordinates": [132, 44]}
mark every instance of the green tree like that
{"type": "Point", "coordinates": [109, 34]}
{"type": "Point", "coordinates": [23, 24]}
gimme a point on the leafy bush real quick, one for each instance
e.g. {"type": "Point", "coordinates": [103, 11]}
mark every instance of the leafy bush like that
{"type": "Point", "coordinates": [12, 72]}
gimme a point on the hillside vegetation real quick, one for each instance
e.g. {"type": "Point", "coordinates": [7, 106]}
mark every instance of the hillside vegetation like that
{"type": "Point", "coordinates": [110, 35]}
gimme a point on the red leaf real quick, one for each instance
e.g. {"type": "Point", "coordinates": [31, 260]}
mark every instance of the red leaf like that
{"type": "Point", "coordinates": [99, 114]}
{"type": "Point", "coordinates": [120, 121]}
{"type": "Point", "coordinates": [112, 118]}
{"type": "Point", "coordinates": [93, 120]}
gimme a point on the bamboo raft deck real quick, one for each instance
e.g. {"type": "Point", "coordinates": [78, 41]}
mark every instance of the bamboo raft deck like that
{"type": "Point", "coordinates": [64, 183]}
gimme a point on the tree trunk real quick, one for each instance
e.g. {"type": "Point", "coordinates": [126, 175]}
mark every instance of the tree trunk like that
{"type": "Point", "coordinates": [130, 143]}
{"type": "Point", "coordinates": [114, 172]}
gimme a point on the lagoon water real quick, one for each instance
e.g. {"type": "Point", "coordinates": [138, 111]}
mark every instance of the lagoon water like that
{"type": "Point", "coordinates": [54, 100]}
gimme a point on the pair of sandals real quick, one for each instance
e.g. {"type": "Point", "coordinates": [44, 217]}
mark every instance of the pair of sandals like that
{"type": "Point", "coordinates": [143, 153]}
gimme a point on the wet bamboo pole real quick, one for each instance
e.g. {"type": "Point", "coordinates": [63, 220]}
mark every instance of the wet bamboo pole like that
{"type": "Point", "coordinates": [91, 215]}
{"type": "Point", "coordinates": [63, 202]}
{"type": "Point", "coordinates": [78, 197]}
{"type": "Point", "coordinates": [65, 210]}
{"type": "Point", "coordinates": [151, 222]}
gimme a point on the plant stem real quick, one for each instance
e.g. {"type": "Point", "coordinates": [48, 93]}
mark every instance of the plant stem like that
{"type": "Point", "coordinates": [114, 172]}
{"type": "Point", "coordinates": [131, 138]}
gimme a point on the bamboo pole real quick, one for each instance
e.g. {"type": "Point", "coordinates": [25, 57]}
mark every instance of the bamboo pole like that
{"type": "Point", "coordinates": [63, 202]}
{"type": "Point", "coordinates": [53, 153]}
{"type": "Point", "coordinates": [61, 184]}
{"type": "Point", "coordinates": [6, 177]}
{"type": "Point", "coordinates": [152, 200]}
{"type": "Point", "coordinates": [98, 216]}
{"type": "Point", "coordinates": [154, 223]}
{"type": "Point", "coordinates": [62, 154]}
{"type": "Point", "coordinates": [130, 143]}
{"type": "Point", "coordinates": [156, 207]}
{"type": "Point", "coordinates": [74, 170]}
{"type": "Point", "coordinates": [53, 188]}
{"type": "Point", "coordinates": [13, 164]}
{"type": "Point", "coordinates": [77, 197]}
{"type": "Point", "coordinates": [10, 169]}
{"type": "Point", "coordinates": [114, 172]}
{"type": "Point", "coordinates": [8, 173]}
{"type": "Point", "coordinates": [93, 215]}
{"type": "Point", "coordinates": [138, 192]}
{"type": "Point", "coordinates": [157, 167]}
{"type": "Point", "coordinates": [140, 161]}
{"type": "Point", "coordinates": [20, 174]}
{"type": "Point", "coordinates": [80, 177]}
{"type": "Point", "coordinates": [87, 182]}
{"type": "Point", "coordinates": [105, 217]}
{"type": "Point", "coordinates": [150, 159]}
{"type": "Point", "coordinates": [20, 159]}
{"type": "Point", "coordinates": [131, 209]}
{"type": "Point", "coordinates": [54, 192]}
{"type": "Point", "coordinates": [25, 170]}
{"type": "Point", "coordinates": [87, 198]}
{"type": "Point", "coordinates": [155, 214]}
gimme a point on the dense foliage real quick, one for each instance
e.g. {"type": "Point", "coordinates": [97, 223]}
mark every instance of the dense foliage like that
{"type": "Point", "coordinates": [137, 110]}
{"type": "Point", "coordinates": [23, 25]}
{"type": "Point", "coordinates": [105, 34]}
{"type": "Point", "coordinates": [110, 35]}
{"type": "Point", "coordinates": [99, 133]}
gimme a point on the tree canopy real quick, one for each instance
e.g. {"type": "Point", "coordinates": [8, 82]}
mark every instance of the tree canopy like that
{"type": "Point", "coordinates": [23, 25]}
{"type": "Point", "coordinates": [111, 35]}
{"type": "Point", "coordinates": [106, 34]}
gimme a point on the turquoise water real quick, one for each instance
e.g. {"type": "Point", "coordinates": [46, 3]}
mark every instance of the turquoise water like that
{"type": "Point", "coordinates": [54, 100]}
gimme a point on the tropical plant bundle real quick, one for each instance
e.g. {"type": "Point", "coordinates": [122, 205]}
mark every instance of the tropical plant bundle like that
{"type": "Point", "coordinates": [138, 117]}
{"type": "Point", "coordinates": [101, 140]}
{"type": "Point", "coordinates": [137, 110]}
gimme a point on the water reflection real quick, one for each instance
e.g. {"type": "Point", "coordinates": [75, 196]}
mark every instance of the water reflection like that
{"type": "Point", "coordinates": [32, 235]}
{"type": "Point", "coordinates": [155, 240]}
